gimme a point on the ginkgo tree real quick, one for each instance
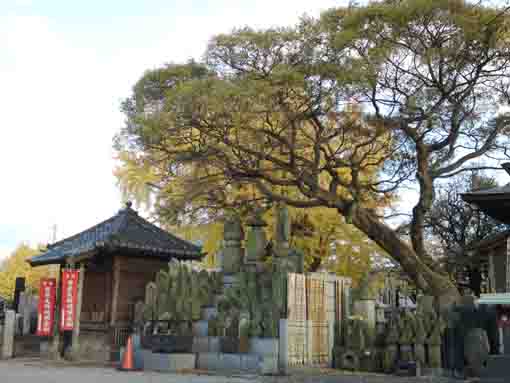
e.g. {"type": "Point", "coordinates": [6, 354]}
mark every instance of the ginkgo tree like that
{"type": "Point", "coordinates": [16, 265]}
{"type": "Point", "coordinates": [268, 109]}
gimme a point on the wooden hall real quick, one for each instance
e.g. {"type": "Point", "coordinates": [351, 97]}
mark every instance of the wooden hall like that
{"type": "Point", "coordinates": [492, 254]}
{"type": "Point", "coordinates": [116, 259]}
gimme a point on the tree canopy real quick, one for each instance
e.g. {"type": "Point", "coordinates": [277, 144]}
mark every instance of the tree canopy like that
{"type": "Point", "coordinates": [268, 108]}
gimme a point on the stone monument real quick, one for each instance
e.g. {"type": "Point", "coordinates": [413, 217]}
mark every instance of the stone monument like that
{"type": "Point", "coordinates": [233, 251]}
{"type": "Point", "coordinates": [8, 334]}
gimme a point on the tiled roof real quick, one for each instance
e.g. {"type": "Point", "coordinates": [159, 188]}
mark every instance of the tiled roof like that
{"type": "Point", "coordinates": [125, 230]}
{"type": "Point", "coordinates": [492, 191]}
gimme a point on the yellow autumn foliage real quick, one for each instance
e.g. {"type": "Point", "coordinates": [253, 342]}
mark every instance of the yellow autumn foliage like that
{"type": "Point", "coordinates": [16, 265]}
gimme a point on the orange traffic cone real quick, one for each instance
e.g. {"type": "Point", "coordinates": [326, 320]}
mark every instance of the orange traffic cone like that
{"type": "Point", "coordinates": [128, 360]}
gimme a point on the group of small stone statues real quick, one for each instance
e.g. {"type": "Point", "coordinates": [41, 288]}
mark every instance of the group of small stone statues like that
{"type": "Point", "coordinates": [406, 337]}
{"type": "Point", "coordinates": [174, 301]}
{"type": "Point", "coordinates": [252, 307]}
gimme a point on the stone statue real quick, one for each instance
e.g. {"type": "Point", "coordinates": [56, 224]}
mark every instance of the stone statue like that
{"type": "Point", "coordinates": [244, 331]}
{"type": "Point", "coordinates": [212, 326]}
{"type": "Point", "coordinates": [251, 293]}
{"type": "Point", "coordinates": [233, 229]}
{"type": "Point", "coordinates": [364, 288]}
{"type": "Point", "coordinates": [434, 343]}
{"type": "Point", "coordinates": [139, 314]}
{"type": "Point", "coordinates": [419, 340]}
{"type": "Point", "coordinates": [270, 323]}
{"type": "Point", "coordinates": [391, 348]}
{"type": "Point", "coordinates": [178, 295]}
{"type": "Point", "coordinates": [151, 293]}
{"type": "Point", "coordinates": [406, 338]}
{"type": "Point", "coordinates": [256, 328]}
{"type": "Point", "coordinates": [358, 339]}
{"type": "Point", "coordinates": [282, 229]}
{"type": "Point", "coordinates": [232, 325]}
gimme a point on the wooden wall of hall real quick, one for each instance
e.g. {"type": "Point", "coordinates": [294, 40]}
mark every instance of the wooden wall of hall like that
{"type": "Point", "coordinates": [135, 273]}
{"type": "Point", "coordinates": [97, 296]}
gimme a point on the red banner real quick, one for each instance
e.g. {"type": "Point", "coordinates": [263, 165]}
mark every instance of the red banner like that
{"type": "Point", "coordinates": [69, 293]}
{"type": "Point", "coordinates": [46, 306]}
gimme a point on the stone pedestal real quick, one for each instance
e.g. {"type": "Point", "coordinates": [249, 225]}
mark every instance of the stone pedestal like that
{"type": "Point", "coordinates": [283, 352]}
{"type": "Point", "coordinates": [389, 357]}
{"type": "Point", "coordinates": [434, 352]}
{"type": "Point", "coordinates": [230, 345]}
{"type": "Point", "coordinates": [8, 334]}
{"type": "Point", "coordinates": [366, 309]}
{"type": "Point", "coordinates": [406, 353]}
{"type": "Point", "coordinates": [419, 353]}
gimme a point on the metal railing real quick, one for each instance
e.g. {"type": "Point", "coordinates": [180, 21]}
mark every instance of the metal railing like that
{"type": "Point", "coordinates": [120, 335]}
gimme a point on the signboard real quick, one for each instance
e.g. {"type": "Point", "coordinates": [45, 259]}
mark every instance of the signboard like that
{"type": "Point", "coordinates": [69, 293]}
{"type": "Point", "coordinates": [46, 306]}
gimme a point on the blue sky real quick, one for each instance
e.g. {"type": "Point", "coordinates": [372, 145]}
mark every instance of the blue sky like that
{"type": "Point", "coordinates": [64, 68]}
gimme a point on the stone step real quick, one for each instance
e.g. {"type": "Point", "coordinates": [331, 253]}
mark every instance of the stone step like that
{"type": "Point", "coordinates": [149, 361]}
{"type": "Point", "coordinates": [206, 344]}
{"type": "Point", "coordinates": [245, 363]}
{"type": "Point", "coordinates": [208, 313]}
{"type": "Point", "coordinates": [497, 367]}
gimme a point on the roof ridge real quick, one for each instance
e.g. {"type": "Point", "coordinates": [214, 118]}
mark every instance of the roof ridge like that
{"type": "Point", "coordinates": [151, 226]}
{"type": "Point", "coordinates": [77, 235]}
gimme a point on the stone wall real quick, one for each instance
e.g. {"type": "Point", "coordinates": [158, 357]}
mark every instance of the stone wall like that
{"type": "Point", "coordinates": [94, 346]}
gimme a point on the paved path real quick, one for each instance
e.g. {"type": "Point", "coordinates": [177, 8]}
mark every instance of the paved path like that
{"type": "Point", "coordinates": [15, 371]}
{"type": "Point", "coordinates": [35, 371]}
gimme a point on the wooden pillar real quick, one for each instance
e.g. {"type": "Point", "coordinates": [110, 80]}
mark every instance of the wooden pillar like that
{"type": "Point", "coordinates": [115, 293]}
{"type": "Point", "coordinates": [55, 342]}
{"type": "Point", "coordinates": [75, 341]}
{"type": "Point", "coordinates": [492, 276]}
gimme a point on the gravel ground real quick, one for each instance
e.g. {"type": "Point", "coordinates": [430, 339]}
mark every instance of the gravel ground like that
{"type": "Point", "coordinates": [35, 371]}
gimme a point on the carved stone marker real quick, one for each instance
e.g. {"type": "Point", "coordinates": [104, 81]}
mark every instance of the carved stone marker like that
{"type": "Point", "coordinates": [256, 241]}
{"type": "Point", "coordinates": [8, 334]}
{"type": "Point", "coordinates": [282, 230]}
{"type": "Point", "coordinates": [233, 252]}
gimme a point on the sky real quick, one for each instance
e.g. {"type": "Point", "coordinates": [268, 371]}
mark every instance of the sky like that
{"type": "Point", "coordinates": [65, 66]}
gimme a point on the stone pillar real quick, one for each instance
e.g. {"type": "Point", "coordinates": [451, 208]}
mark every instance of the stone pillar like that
{"type": "Point", "coordinates": [283, 343]}
{"type": "Point", "coordinates": [75, 341]}
{"type": "Point", "coordinates": [282, 230]}
{"type": "Point", "coordinates": [26, 311]}
{"type": "Point", "coordinates": [8, 334]}
{"type": "Point", "coordinates": [256, 241]}
{"type": "Point", "coordinates": [233, 251]}
{"type": "Point", "coordinates": [492, 276]}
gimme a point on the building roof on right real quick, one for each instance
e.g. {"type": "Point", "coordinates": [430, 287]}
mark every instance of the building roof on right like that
{"type": "Point", "coordinates": [495, 202]}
